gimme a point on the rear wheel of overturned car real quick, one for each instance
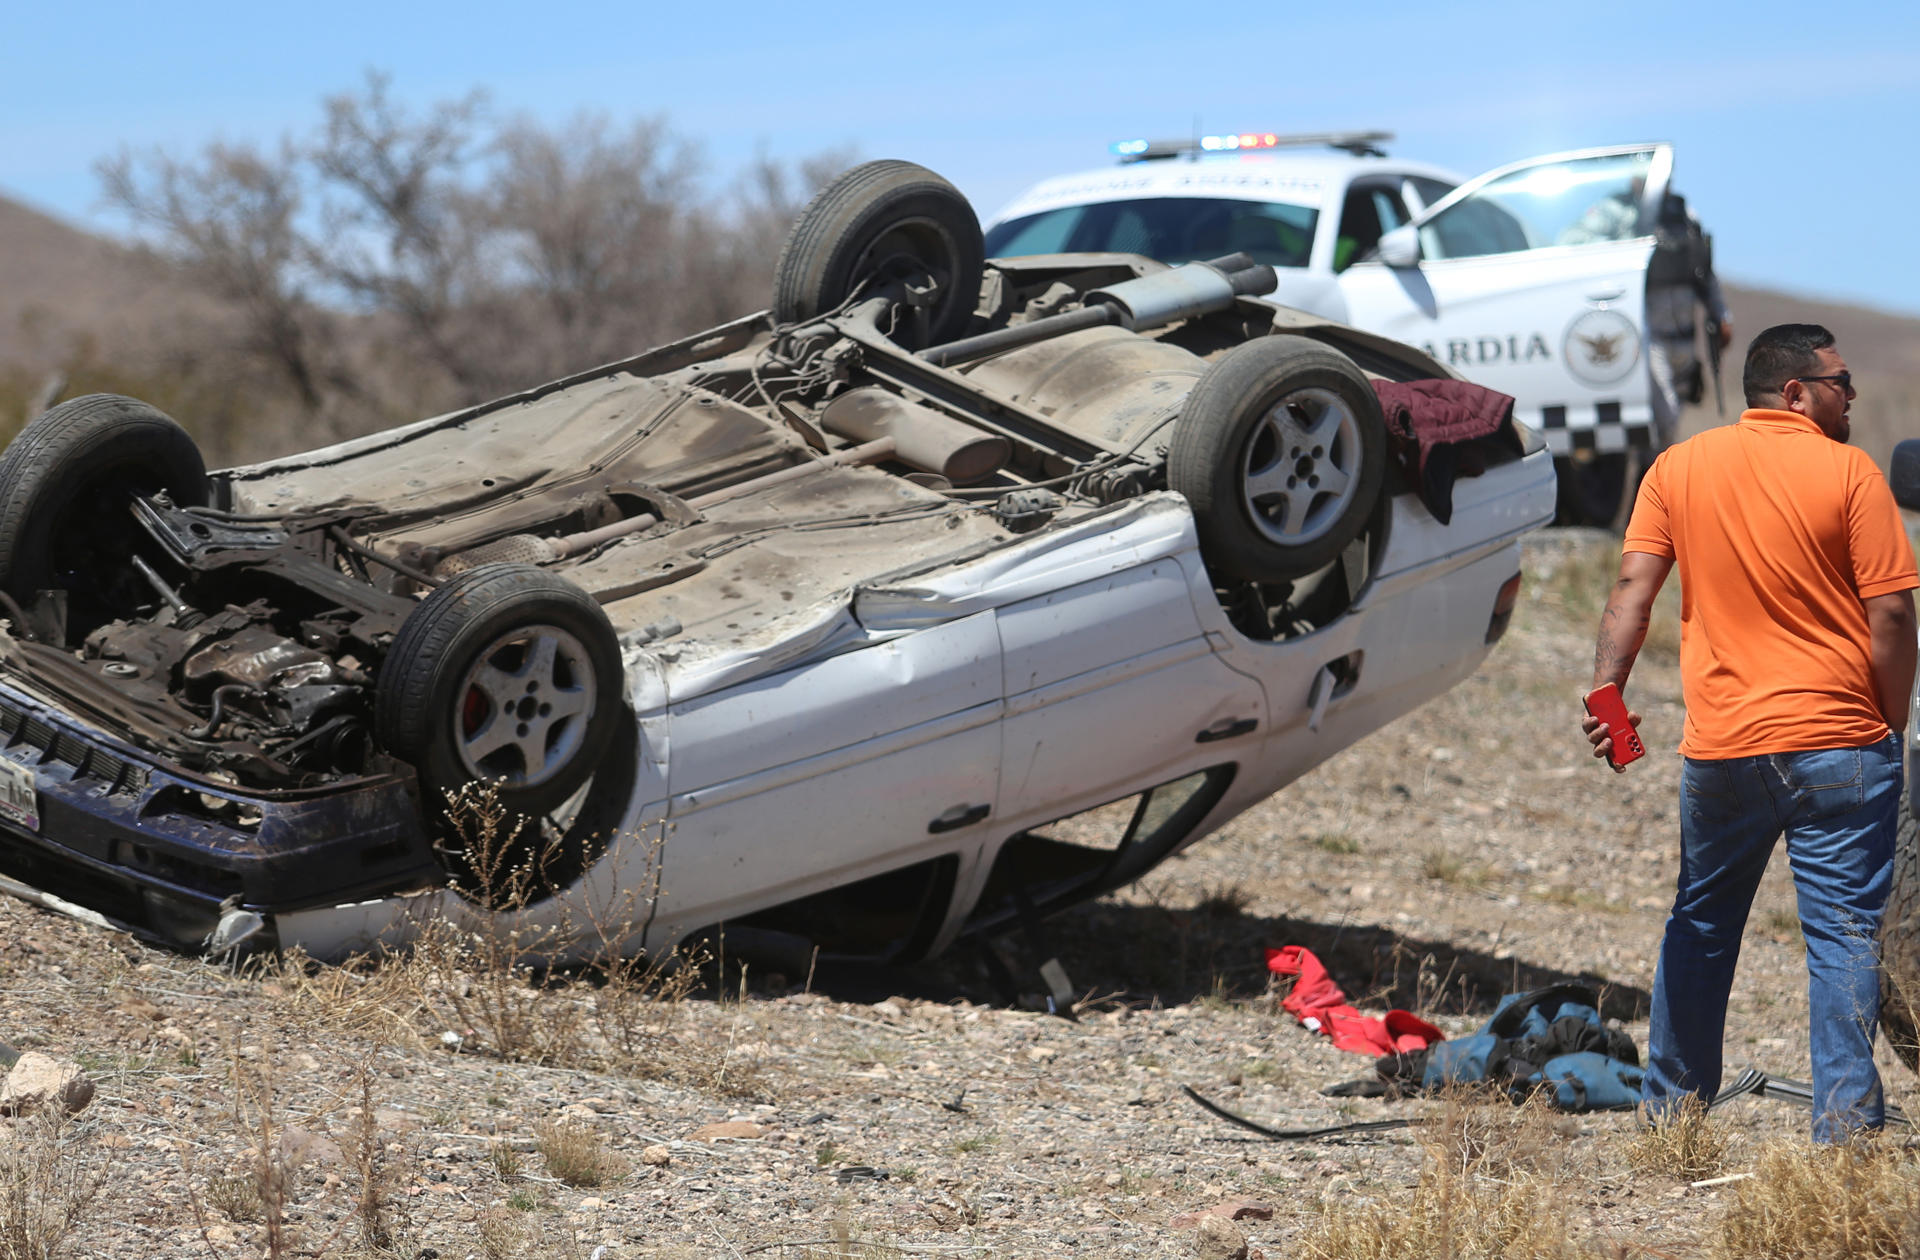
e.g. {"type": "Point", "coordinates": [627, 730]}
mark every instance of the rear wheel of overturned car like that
{"type": "Point", "coordinates": [511, 676]}
{"type": "Point", "coordinates": [881, 222]}
{"type": "Point", "coordinates": [1281, 451]}
{"type": "Point", "coordinates": [66, 485]}
{"type": "Point", "coordinates": [1900, 947]}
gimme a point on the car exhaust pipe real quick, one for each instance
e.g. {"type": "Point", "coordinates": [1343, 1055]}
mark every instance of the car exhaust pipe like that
{"type": "Point", "coordinates": [923, 438]}
{"type": "Point", "coordinates": [1194, 288]}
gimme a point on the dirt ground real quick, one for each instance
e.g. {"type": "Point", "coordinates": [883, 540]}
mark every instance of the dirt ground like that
{"type": "Point", "coordinates": [1468, 849]}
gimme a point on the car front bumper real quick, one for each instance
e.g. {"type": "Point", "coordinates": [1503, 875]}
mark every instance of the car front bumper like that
{"type": "Point", "coordinates": [163, 853]}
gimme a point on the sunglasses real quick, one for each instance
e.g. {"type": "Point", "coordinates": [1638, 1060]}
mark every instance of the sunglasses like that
{"type": "Point", "coordinates": [1843, 379]}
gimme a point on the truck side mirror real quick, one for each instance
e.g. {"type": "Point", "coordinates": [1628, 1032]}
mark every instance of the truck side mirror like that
{"type": "Point", "coordinates": [1905, 474]}
{"type": "Point", "coordinates": [1400, 247]}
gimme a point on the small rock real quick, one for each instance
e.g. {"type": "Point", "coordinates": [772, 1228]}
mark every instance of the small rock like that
{"type": "Point", "coordinates": [726, 1129]}
{"type": "Point", "coordinates": [1042, 1054]}
{"type": "Point", "coordinates": [1219, 1240]}
{"type": "Point", "coordinates": [40, 1080]}
{"type": "Point", "coordinates": [656, 1156]}
{"type": "Point", "coordinates": [1113, 1181]}
{"type": "Point", "coordinates": [889, 1009]}
{"type": "Point", "coordinates": [592, 1205]}
{"type": "Point", "coordinates": [605, 1106]}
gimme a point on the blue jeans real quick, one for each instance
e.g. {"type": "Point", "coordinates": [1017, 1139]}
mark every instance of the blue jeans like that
{"type": "Point", "coordinates": [1838, 810]}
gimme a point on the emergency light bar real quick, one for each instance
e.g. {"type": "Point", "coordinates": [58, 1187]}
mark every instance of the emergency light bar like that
{"type": "Point", "coordinates": [1358, 143]}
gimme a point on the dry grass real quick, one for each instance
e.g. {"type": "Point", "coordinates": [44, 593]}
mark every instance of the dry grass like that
{"type": "Point", "coordinates": [1859, 1200]}
{"type": "Point", "coordinates": [504, 1160]}
{"type": "Point", "coordinates": [496, 989]}
{"type": "Point", "coordinates": [577, 1154]}
{"type": "Point", "coordinates": [1451, 868]}
{"type": "Point", "coordinates": [49, 1174]}
{"type": "Point", "coordinates": [1491, 1186]}
{"type": "Point", "coordinates": [1685, 1144]}
{"type": "Point", "coordinates": [1575, 579]}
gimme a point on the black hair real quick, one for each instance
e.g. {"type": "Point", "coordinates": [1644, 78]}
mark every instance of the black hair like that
{"type": "Point", "coordinates": [1778, 355]}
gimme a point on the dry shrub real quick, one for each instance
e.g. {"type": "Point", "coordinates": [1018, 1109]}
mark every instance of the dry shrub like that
{"type": "Point", "coordinates": [848, 1242]}
{"type": "Point", "coordinates": [495, 983]}
{"type": "Point", "coordinates": [49, 1174]}
{"type": "Point", "coordinates": [269, 1163]}
{"type": "Point", "coordinates": [504, 1160]}
{"type": "Point", "coordinates": [1481, 1131]}
{"type": "Point", "coordinates": [577, 1154]}
{"type": "Point", "coordinates": [1491, 1185]}
{"type": "Point", "coordinates": [373, 1207]}
{"type": "Point", "coordinates": [507, 1234]}
{"type": "Point", "coordinates": [1856, 1200]}
{"type": "Point", "coordinates": [1685, 1143]}
{"type": "Point", "coordinates": [236, 1198]}
{"type": "Point", "coordinates": [504, 987]}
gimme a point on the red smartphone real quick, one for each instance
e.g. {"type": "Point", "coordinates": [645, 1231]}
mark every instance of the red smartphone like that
{"type": "Point", "coordinates": [1606, 704]}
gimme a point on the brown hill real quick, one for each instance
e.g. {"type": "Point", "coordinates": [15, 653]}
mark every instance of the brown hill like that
{"type": "Point", "coordinates": [63, 290]}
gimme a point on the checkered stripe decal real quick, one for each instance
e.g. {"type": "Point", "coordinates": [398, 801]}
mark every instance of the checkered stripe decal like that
{"type": "Point", "coordinates": [1606, 427]}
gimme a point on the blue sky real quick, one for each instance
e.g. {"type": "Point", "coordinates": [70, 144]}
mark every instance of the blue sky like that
{"type": "Point", "coordinates": [1794, 125]}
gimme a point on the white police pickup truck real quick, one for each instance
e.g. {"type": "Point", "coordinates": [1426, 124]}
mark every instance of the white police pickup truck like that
{"type": "Point", "coordinates": [1530, 279]}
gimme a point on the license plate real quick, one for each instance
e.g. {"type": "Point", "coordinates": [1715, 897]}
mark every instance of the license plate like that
{"type": "Point", "coordinates": [18, 801]}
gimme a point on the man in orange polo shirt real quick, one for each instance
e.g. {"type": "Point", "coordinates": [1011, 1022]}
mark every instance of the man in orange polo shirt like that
{"type": "Point", "coordinates": [1796, 663]}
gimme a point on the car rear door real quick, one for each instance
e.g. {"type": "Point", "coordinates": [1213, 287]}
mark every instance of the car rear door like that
{"type": "Point", "coordinates": [1531, 279]}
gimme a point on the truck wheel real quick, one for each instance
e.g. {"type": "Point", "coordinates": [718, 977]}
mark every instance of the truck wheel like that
{"type": "Point", "coordinates": [65, 486]}
{"type": "Point", "coordinates": [506, 674]}
{"type": "Point", "coordinates": [1900, 947]}
{"type": "Point", "coordinates": [1281, 452]}
{"type": "Point", "coordinates": [883, 221]}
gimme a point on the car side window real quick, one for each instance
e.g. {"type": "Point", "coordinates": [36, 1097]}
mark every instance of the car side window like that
{"type": "Point", "coordinates": [1360, 228]}
{"type": "Point", "coordinates": [1574, 202]}
{"type": "Point", "coordinates": [1423, 191]}
{"type": "Point", "coordinates": [1370, 210]}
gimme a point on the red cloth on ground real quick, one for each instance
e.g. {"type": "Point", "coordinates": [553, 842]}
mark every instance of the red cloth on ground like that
{"type": "Point", "coordinates": [1317, 1002]}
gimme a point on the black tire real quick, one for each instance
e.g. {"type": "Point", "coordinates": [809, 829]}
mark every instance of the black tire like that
{"type": "Point", "coordinates": [65, 485]}
{"type": "Point", "coordinates": [888, 220]}
{"type": "Point", "coordinates": [1900, 947]}
{"type": "Point", "coordinates": [1593, 491]}
{"type": "Point", "coordinates": [442, 701]}
{"type": "Point", "coordinates": [1257, 451]}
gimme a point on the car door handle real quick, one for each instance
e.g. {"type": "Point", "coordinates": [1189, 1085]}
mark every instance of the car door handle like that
{"type": "Point", "coordinates": [957, 817]}
{"type": "Point", "coordinates": [1608, 294]}
{"type": "Point", "coordinates": [1226, 729]}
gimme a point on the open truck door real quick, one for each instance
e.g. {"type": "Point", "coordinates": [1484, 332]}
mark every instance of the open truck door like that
{"type": "Point", "coordinates": [1531, 279]}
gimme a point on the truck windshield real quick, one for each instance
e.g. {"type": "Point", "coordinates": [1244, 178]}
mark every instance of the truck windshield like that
{"type": "Point", "coordinates": [1170, 229]}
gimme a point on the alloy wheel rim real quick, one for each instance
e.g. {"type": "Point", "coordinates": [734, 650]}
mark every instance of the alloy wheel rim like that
{"type": "Point", "coordinates": [1302, 466]}
{"type": "Point", "coordinates": [522, 711]}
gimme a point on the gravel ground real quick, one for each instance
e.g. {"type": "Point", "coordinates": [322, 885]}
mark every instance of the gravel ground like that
{"type": "Point", "coordinates": [1467, 849]}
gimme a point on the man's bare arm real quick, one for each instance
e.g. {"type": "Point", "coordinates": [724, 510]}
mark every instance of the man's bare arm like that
{"type": "Point", "coordinates": [1623, 626]}
{"type": "Point", "coordinates": [1890, 630]}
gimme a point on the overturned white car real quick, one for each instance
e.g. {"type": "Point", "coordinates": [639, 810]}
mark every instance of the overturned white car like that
{"type": "Point", "coordinates": [817, 622]}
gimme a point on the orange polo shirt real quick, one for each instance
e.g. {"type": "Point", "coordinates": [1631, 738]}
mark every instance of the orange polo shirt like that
{"type": "Point", "coordinates": [1779, 533]}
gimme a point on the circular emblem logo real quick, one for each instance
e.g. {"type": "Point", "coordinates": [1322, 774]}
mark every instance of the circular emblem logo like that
{"type": "Point", "coordinates": [1602, 346]}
